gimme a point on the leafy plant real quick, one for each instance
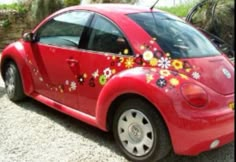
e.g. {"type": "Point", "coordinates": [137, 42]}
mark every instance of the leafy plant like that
{"type": "Point", "coordinates": [19, 7]}
{"type": "Point", "coordinates": [6, 23]}
{"type": "Point", "coordinates": [71, 2]}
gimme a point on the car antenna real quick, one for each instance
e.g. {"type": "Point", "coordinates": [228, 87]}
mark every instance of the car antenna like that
{"type": "Point", "coordinates": [154, 5]}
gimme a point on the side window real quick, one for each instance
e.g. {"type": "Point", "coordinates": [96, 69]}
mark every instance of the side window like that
{"type": "Point", "coordinates": [106, 37]}
{"type": "Point", "coordinates": [65, 29]}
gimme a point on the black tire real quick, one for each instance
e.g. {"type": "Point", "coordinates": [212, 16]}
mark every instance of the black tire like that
{"type": "Point", "coordinates": [13, 83]}
{"type": "Point", "coordinates": [140, 131]}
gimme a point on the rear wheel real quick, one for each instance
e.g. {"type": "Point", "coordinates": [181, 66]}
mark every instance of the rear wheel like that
{"type": "Point", "coordinates": [140, 131]}
{"type": "Point", "coordinates": [13, 83]}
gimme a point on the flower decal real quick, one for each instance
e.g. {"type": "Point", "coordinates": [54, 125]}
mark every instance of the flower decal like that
{"type": "Point", "coordinates": [92, 82]}
{"type": "Point", "coordinates": [61, 88]}
{"type": "Point", "coordinates": [107, 72]}
{"type": "Point", "coordinates": [161, 82]}
{"type": "Point", "coordinates": [81, 79]}
{"type": "Point", "coordinates": [183, 76]}
{"type": "Point", "coordinates": [164, 72]}
{"type": "Point", "coordinates": [73, 86]}
{"type": "Point", "coordinates": [147, 55]}
{"type": "Point", "coordinates": [196, 75]}
{"type": "Point", "coordinates": [149, 78]}
{"type": "Point", "coordinates": [126, 51]}
{"type": "Point", "coordinates": [129, 63]}
{"type": "Point", "coordinates": [139, 59]}
{"type": "Point", "coordinates": [164, 63]}
{"type": "Point", "coordinates": [153, 61]}
{"type": "Point", "coordinates": [67, 82]}
{"type": "Point", "coordinates": [40, 79]}
{"type": "Point", "coordinates": [174, 81]}
{"type": "Point", "coordinates": [95, 74]}
{"type": "Point", "coordinates": [177, 64]}
{"type": "Point", "coordinates": [102, 79]}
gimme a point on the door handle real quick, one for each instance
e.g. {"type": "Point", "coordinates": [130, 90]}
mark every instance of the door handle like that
{"type": "Point", "coordinates": [73, 64]}
{"type": "Point", "coordinates": [71, 61]}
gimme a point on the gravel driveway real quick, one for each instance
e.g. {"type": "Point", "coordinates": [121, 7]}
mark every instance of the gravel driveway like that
{"type": "Point", "coordinates": [32, 132]}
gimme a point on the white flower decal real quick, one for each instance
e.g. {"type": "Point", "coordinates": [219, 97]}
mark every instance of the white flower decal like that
{"type": "Point", "coordinates": [73, 86]}
{"type": "Point", "coordinates": [164, 63]}
{"type": "Point", "coordinates": [107, 72]}
{"type": "Point", "coordinates": [95, 74]}
{"type": "Point", "coordinates": [147, 55]}
{"type": "Point", "coordinates": [195, 75]}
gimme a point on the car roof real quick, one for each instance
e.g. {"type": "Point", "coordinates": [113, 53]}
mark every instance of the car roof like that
{"type": "Point", "coordinates": [107, 9]}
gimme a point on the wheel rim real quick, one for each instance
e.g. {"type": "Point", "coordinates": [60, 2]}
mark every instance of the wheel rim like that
{"type": "Point", "coordinates": [10, 82]}
{"type": "Point", "coordinates": [135, 132]}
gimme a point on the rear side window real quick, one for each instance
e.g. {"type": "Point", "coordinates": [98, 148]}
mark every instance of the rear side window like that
{"type": "Point", "coordinates": [174, 36]}
{"type": "Point", "coordinates": [105, 36]}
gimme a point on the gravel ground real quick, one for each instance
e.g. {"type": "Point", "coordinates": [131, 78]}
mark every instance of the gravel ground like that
{"type": "Point", "coordinates": [32, 132]}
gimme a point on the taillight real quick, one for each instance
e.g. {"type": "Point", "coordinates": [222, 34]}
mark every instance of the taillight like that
{"type": "Point", "coordinates": [194, 94]}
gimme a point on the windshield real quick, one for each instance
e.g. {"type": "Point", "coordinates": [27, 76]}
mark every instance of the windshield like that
{"type": "Point", "coordinates": [174, 36]}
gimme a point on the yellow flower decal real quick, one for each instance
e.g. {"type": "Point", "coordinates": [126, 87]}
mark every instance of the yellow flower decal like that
{"type": "Point", "coordinates": [126, 51]}
{"type": "Point", "coordinates": [153, 61]}
{"type": "Point", "coordinates": [174, 81]}
{"type": "Point", "coordinates": [149, 78]}
{"type": "Point", "coordinates": [177, 64]}
{"type": "Point", "coordinates": [188, 70]}
{"type": "Point", "coordinates": [183, 76]}
{"type": "Point", "coordinates": [129, 63]}
{"type": "Point", "coordinates": [165, 73]}
{"type": "Point", "coordinates": [147, 55]}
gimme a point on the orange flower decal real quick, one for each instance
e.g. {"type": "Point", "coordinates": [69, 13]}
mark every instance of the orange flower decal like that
{"type": "Point", "coordinates": [129, 63]}
{"type": "Point", "coordinates": [177, 64]}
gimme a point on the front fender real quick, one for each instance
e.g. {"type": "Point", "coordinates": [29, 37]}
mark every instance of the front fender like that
{"type": "Point", "coordinates": [16, 52]}
{"type": "Point", "coordinates": [130, 81]}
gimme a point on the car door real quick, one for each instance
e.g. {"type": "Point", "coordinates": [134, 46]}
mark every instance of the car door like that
{"type": "Point", "coordinates": [55, 57]}
{"type": "Point", "coordinates": [105, 52]}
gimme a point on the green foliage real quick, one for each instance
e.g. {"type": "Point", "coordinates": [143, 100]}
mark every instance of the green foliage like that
{"type": "Point", "coordinates": [6, 23]}
{"type": "Point", "coordinates": [43, 8]}
{"type": "Point", "coordinates": [19, 7]}
{"type": "Point", "coordinates": [71, 2]}
{"type": "Point", "coordinates": [180, 10]}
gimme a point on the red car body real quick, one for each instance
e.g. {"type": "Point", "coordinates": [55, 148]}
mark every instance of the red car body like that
{"type": "Point", "coordinates": [85, 84]}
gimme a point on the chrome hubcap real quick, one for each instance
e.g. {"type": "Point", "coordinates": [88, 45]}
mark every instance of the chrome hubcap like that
{"type": "Point", "coordinates": [135, 132]}
{"type": "Point", "coordinates": [10, 82]}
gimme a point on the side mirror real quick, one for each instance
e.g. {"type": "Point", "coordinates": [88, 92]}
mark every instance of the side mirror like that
{"type": "Point", "coordinates": [29, 37]}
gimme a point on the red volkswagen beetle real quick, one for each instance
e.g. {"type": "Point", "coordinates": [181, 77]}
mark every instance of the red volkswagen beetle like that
{"type": "Point", "coordinates": [150, 78]}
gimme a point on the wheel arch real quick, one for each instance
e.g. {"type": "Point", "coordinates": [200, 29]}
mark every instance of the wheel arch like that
{"type": "Point", "coordinates": [125, 86]}
{"type": "Point", "coordinates": [11, 54]}
{"type": "Point", "coordinates": [113, 108]}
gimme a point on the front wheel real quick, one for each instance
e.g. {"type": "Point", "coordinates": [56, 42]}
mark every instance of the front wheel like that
{"type": "Point", "coordinates": [13, 83]}
{"type": "Point", "coordinates": [140, 131]}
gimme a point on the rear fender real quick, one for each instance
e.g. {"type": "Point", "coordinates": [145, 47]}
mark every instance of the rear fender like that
{"type": "Point", "coordinates": [131, 81]}
{"type": "Point", "coordinates": [15, 52]}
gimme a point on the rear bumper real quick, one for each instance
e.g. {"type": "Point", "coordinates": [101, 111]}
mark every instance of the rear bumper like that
{"type": "Point", "coordinates": [197, 135]}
